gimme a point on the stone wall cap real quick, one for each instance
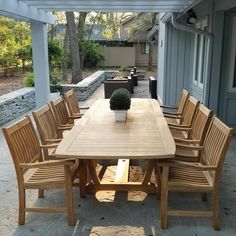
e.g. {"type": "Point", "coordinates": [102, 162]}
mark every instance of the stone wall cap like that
{"type": "Point", "coordinates": [16, 93]}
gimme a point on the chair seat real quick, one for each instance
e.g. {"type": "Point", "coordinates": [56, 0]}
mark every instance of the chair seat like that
{"type": "Point", "coordinates": [51, 176]}
{"type": "Point", "coordinates": [190, 179]}
{"type": "Point", "coordinates": [47, 176]}
{"type": "Point", "coordinates": [172, 121]}
{"type": "Point", "coordinates": [186, 154]}
{"type": "Point", "coordinates": [178, 133]}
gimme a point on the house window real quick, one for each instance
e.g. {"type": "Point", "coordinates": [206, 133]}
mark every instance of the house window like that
{"type": "Point", "coordinates": [200, 55]}
{"type": "Point", "coordinates": [144, 48]}
{"type": "Point", "coordinates": [232, 68]}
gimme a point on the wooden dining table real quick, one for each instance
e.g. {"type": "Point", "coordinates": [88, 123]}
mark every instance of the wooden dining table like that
{"type": "Point", "coordinates": [97, 136]}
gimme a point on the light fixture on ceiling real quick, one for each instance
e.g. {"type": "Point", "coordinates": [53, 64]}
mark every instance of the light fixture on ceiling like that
{"type": "Point", "coordinates": [192, 17]}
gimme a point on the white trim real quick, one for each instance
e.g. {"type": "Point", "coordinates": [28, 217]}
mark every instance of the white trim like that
{"type": "Point", "coordinates": [20, 10]}
{"type": "Point", "coordinates": [112, 6]}
{"type": "Point", "coordinates": [165, 17]}
{"type": "Point", "coordinates": [232, 69]}
{"type": "Point", "coordinates": [201, 51]}
{"type": "Point", "coordinates": [195, 60]}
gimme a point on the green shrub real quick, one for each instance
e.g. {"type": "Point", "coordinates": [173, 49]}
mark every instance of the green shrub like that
{"type": "Point", "coordinates": [55, 53]}
{"type": "Point", "coordinates": [55, 79]}
{"type": "Point", "coordinates": [120, 99]}
{"type": "Point", "coordinates": [29, 80]}
{"type": "Point", "coordinates": [124, 68]}
{"type": "Point", "coordinates": [92, 54]}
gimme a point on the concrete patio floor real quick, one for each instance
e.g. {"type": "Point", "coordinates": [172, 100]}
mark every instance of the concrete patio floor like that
{"type": "Point", "coordinates": [113, 213]}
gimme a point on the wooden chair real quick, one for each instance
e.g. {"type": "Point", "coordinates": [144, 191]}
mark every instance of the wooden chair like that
{"type": "Point", "coordinates": [179, 107]}
{"type": "Point", "coordinates": [73, 105]}
{"type": "Point", "coordinates": [186, 119]}
{"type": "Point", "coordinates": [194, 135]}
{"type": "Point", "coordinates": [49, 132]}
{"type": "Point", "coordinates": [34, 173]}
{"type": "Point", "coordinates": [202, 177]}
{"type": "Point", "coordinates": [61, 113]}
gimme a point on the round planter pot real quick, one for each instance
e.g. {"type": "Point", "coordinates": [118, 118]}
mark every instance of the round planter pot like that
{"type": "Point", "coordinates": [120, 115]}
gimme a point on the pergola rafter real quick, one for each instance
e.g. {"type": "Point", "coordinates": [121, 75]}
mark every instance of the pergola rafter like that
{"type": "Point", "coordinates": [111, 6]}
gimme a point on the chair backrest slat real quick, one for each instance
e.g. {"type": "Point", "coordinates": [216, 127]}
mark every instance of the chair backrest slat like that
{"type": "Point", "coordinates": [72, 103]}
{"type": "Point", "coordinates": [46, 123]}
{"type": "Point", "coordinates": [183, 101]}
{"type": "Point", "coordinates": [190, 111]}
{"type": "Point", "coordinates": [60, 111]}
{"type": "Point", "coordinates": [216, 143]}
{"type": "Point", "coordinates": [23, 142]}
{"type": "Point", "coordinates": [200, 123]}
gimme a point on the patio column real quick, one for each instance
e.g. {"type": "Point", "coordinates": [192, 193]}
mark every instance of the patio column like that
{"type": "Point", "coordinates": [40, 62]}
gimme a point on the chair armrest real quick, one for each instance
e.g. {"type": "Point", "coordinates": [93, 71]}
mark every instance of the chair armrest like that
{"type": "Point", "coordinates": [194, 166]}
{"type": "Point", "coordinates": [48, 146]}
{"type": "Point", "coordinates": [187, 141]}
{"type": "Point", "coordinates": [47, 163]}
{"type": "Point", "coordinates": [172, 117]}
{"type": "Point", "coordinates": [190, 147]}
{"type": "Point", "coordinates": [179, 127]}
{"type": "Point", "coordinates": [56, 140]}
{"type": "Point", "coordinates": [75, 116]}
{"type": "Point", "coordinates": [171, 113]}
{"type": "Point", "coordinates": [168, 106]}
{"type": "Point", "coordinates": [65, 127]}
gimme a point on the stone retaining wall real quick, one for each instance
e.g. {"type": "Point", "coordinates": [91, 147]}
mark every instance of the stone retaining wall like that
{"type": "Point", "coordinates": [88, 85]}
{"type": "Point", "coordinates": [16, 103]}
{"type": "Point", "coordinates": [22, 100]}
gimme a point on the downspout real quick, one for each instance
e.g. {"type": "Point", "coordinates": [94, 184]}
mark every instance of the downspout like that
{"type": "Point", "coordinates": [210, 40]}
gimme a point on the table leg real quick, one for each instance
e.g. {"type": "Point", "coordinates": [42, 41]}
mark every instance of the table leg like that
{"type": "Point", "coordinates": [92, 171]}
{"type": "Point", "coordinates": [83, 175]}
{"type": "Point", "coordinates": [148, 173]}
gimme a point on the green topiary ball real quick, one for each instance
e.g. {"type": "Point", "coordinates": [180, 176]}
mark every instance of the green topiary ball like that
{"type": "Point", "coordinates": [120, 99]}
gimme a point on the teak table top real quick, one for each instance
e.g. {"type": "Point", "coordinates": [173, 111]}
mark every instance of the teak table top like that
{"type": "Point", "coordinates": [144, 135]}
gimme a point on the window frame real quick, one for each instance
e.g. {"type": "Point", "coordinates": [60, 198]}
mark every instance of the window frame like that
{"type": "Point", "coordinates": [232, 62]}
{"type": "Point", "coordinates": [144, 48]}
{"type": "Point", "coordinates": [200, 54]}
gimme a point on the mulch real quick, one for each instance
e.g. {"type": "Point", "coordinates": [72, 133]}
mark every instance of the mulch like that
{"type": "Point", "coordinates": [9, 84]}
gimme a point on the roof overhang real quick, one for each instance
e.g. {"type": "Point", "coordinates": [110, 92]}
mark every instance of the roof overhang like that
{"type": "Point", "coordinates": [111, 5]}
{"type": "Point", "coordinates": [38, 10]}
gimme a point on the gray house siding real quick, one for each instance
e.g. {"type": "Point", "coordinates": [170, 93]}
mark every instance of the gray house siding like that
{"type": "Point", "coordinates": [178, 65]}
{"type": "Point", "coordinates": [227, 97]}
{"type": "Point", "coordinates": [179, 56]}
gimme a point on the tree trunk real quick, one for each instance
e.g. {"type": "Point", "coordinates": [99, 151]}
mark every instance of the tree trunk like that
{"type": "Point", "coordinates": [150, 55]}
{"type": "Point", "coordinates": [76, 69]}
{"type": "Point", "coordinates": [81, 32]}
{"type": "Point", "coordinates": [151, 44]}
{"type": "Point", "coordinates": [65, 58]}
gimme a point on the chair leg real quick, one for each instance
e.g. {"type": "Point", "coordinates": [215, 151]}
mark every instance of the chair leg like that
{"type": "Point", "coordinates": [40, 193]}
{"type": "Point", "coordinates": [21, 219]}
{"type": "Point", "coordinates": [215, 206]}
{"type": "Point", "coordinates": [164, 197]}
{"type": "Point", "coordinates": [69, 197]}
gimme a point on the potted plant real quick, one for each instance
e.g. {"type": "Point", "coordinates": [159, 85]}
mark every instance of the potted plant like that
{"type": "Point", "coordinates": [120, 102]}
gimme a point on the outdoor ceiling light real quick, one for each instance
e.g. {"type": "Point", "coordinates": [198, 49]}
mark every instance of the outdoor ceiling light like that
{"type": "Point", "coordinates": [192, 17]}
